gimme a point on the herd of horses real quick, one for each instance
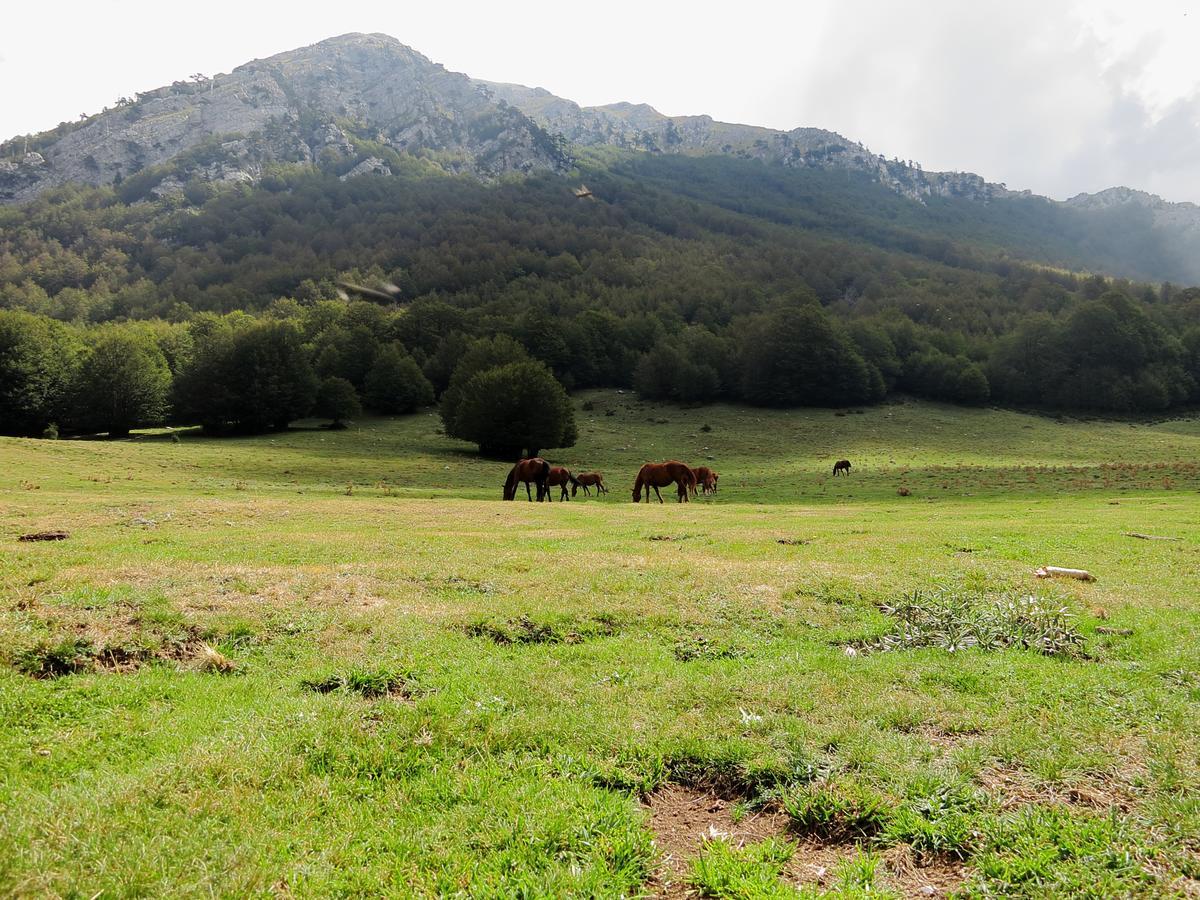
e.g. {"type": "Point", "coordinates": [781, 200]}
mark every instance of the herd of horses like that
{"type": "Point", "coordinates": [652, 476]}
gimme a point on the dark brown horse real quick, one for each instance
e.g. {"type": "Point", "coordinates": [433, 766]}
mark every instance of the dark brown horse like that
{"type": "Point", "coordinates": [559, 477]}
{"type": "Point", "coordinates": [841, 467]}
{"type": "Point", "coordinates": [656, 475]}
{"type": "Point", "coordinates": [535, 470]}
{"type": "Point", "coordinates": [586, 480]}
{"type": "Point", "coordinates": [706, 479]}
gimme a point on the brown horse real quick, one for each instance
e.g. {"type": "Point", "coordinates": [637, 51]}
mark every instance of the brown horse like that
{"type": "Point", "coordinates": [841, 467]}
{"type": "Point", "coordinates": [559, 477]}
{"type": "Point", "coordinates": [535, 470]}
{"type": "Point", "coordinates": [586, 480]}
{"type": "Point", "coordinates": [656, 475]}
{"type": "Point", "coordinates": [706, 479]}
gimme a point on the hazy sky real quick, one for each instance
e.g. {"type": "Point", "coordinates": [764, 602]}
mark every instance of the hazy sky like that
{"type": "Point", "coordinates": [1059, 97]}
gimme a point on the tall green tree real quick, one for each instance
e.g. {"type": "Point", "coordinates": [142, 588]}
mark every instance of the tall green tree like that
{"type": "Point", "coordinates": [795, 356]}
{"type": "Point", "coordinates": [245, 375]}
{"type": "Point", "coordinates": [484, 354]}
{"type": "Point", "coordinates": [123, 383]}
{"type": "Point", "coordinates": [514, 409]}
{"type": "Point", "coordinates": [38, 358]}
{"type": "Point", "coordinates": [396, 383]}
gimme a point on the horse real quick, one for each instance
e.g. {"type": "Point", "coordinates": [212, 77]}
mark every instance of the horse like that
{"type": "Point", "coordinates": [706, 479]}
{"type": "Point", "coordinates": [841, 467]}
{"type": "Point", "coordinates": [534, 469]}
{"type": "Point", "coordinates": [586, 480]}
{"type": "Point", "coordinates": [656, 475]}
{"type": "Point", "coordinates": [560, 477]}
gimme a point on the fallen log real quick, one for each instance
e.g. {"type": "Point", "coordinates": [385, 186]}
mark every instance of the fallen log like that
{"type": "Point", "coordinates": [1103, 629]}
{"type": "Point", "coordinates": [1060, 572]}
{"type": "Point", "coordinates": [1147, 537]}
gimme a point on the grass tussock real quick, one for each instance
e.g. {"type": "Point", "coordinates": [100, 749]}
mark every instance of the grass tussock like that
{"type": "Point", "coordinates": [956, 621]}
{"type": "Point", "coordinates": [369, 683]}
{"type": "Point", "coordinates": [525, 630]}
{"type": "Point", "coordinates": [701, 648]}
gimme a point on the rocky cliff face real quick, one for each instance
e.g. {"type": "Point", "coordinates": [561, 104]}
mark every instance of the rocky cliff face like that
{"type": "Point", "coordinates": [295, 107]}
{"type": "Point", "coordinates": [1180, 218]}
{"type": "Point", "coordinates": [347, 101]}
{"type": "Point", "coordinates": [641, 127]}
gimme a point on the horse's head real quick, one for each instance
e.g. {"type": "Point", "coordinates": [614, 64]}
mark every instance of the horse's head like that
{"type": "Point", "coordinates": [637, 494]}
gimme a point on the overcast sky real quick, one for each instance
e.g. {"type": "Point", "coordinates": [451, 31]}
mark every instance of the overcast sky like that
{"type": "Point", "coordinates": [1059, 97]}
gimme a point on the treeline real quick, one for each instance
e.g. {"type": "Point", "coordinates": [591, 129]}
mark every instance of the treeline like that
{"type": "Point", "coordinates": [685, 300]}
{"type": "Point", "coordinates": [236, 373]}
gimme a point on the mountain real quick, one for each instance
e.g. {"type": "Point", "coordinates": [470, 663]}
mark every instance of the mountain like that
{"type": "Point", "coordinates": [642, 127]}
{"type": "Point", "coordinates": [365, 104]}
{"type": "Point", "coordinates": [293, 107]}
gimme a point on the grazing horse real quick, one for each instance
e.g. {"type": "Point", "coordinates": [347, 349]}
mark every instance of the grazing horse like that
{"type": "Point", "coordinates": [560, 477]}
{"type": "Point", "coordinates": [586, 480]}
{"type": "Point", "coordinates": [656, 475]}
{"type": "Point", "coordinates": [841, 467]}
{"type": "Point", "coordinates": [535, 470]}
{"type": "Point", "coordinates": [706, 480]}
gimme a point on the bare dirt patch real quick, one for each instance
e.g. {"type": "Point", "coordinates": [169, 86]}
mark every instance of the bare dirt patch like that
{"type": "Point", "coordinates": [682, 818]}
{"type": "Point", "coordinates": [44, 536]}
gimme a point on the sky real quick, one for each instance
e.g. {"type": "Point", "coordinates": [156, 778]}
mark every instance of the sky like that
{"type": "Point", "coordinates": [1057, 96]}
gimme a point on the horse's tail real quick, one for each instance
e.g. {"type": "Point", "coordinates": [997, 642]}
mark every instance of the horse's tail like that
{"type": "Point", "coordinates": [543, 480]}
{"type": "Point", "coordinates": [510, 484]}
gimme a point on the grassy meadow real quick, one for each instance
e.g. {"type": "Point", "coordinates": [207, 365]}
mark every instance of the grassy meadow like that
{"type": "Point", "coordinates": [325, 663]}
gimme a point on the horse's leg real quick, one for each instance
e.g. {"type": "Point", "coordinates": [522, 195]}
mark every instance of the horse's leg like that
{"type": "Point", "coordinates": [660, 499]}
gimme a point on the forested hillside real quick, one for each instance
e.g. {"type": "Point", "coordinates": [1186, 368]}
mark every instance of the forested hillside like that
{"type": "Point", "coordinates": [759, 287]}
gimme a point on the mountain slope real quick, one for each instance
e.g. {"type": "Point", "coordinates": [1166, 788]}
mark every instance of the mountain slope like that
{"type": "Point", "coordinates": [366, 104]}
{"type": "Point", "coordinates": [292, 107]}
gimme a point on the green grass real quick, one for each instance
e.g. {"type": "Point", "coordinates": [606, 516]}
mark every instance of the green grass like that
{"type": "Point", "coordinates": [499, 684]}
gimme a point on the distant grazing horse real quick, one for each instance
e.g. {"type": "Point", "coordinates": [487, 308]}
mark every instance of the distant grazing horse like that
{"type": "Point", "coordinates": [656, 475]}
{"type": "Point", "coordinates": [706, 480]}
{"type": "Point", "coordinates": [586, 480]}
{"type": "Point", "coordinates": [535, 470]}
{"type": "Point", "coordinates": [560, 477]}
{"type": "Point", "coordinates": [841, 467]}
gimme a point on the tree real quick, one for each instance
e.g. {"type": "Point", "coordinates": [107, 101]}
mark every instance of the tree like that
{"type": "Point", "coordinates": [37, 366]}
{"type": "Point", "coordinates": [246, 375]}
{"type": "Point", "coordinates": [940, 376]}
{"type": "Point", "coordinates": [396, 383]}
{"type": "Point", "coordinates": [337, 400]}
{"type": "Point", "coordinates": [515, 408]}
{"type": "Point", "coordinates": [123, 383]}
{"type": "Point", "coordinates": [795, 356]}
{"type": "Point", "coordinates": [482, 355]}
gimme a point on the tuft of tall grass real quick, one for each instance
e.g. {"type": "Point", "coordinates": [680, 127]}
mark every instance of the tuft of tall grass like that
{"type": "Point", "coordinates": [957, 620]}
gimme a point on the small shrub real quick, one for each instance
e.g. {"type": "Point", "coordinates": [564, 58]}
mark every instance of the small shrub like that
{"type": "Point", "coordinates": [956, 621]}
{"type": "Point", "coordinates": [365, 682]}
{"type": "Point", "coordinates": [47, 660]}
{"type": "Point", "coordinates": [51, 432]}
{"type": "Point", "coordinates": [836, 808]}
{"type": "Point", "coordinates": [700, 647]}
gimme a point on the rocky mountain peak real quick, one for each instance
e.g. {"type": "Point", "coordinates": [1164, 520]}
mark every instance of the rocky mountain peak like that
{"type": "Point", "coordinates": [338, 101]}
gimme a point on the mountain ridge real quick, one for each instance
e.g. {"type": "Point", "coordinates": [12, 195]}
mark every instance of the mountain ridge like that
{"type": "Point", "coordinates": [361, 104]}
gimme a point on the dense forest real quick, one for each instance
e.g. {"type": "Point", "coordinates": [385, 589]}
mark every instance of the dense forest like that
{"type": "Point", "coordinates": [691, 280]}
